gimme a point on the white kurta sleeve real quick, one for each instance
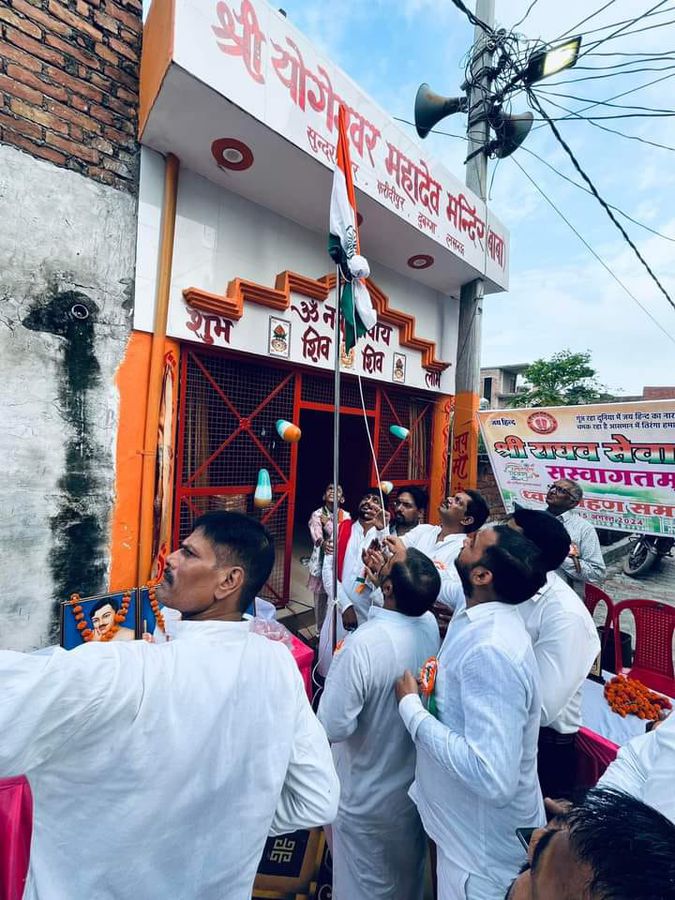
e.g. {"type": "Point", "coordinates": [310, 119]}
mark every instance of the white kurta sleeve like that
{"type": "Point", "coordinates": [344, 693]}
{"type": "Point", "coordinates": [311, 791]}
{"type": "Point", "coordinates": [628, 772]}
{"type": "Point", "coordinates": [564, 654]}
{"type": "Point", "coordinates": [487, 757]}
{"type": "Point", "coordinates": [46, 700]}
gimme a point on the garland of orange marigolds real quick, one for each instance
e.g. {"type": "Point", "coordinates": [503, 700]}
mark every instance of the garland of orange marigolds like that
{"type": "Point", "coordinates": [628, 696]}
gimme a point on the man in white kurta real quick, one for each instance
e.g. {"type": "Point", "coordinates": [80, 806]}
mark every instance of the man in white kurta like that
{"type": "Point", "coordinates": [354, 592]}
{"type": "Point", "coordinates": [461, 514]}
{"type": "Point", "coordinates": [158, 771]}
{"type": "Point", "coordinates": [378, 840]}
{"type": "Point", "coordinates": [645, 768]}
{"type": "Point", "coordinates": [476, 772]}
{"type": "Point", "coordinates": [565, 642]}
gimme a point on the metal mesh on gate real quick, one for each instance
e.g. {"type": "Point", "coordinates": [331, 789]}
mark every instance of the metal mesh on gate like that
{"type": "Point", "coordinates": [319, 389]}
{"type": "Point", "coordinates": [407, 460]}
{"type": "Point", "coordinates": [227, 434]}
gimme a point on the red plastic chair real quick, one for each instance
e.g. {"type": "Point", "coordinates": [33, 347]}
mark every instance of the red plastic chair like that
{"type": "Point", "coordinates": [592, 596]}
{"type": "Point", "coordinates": [653, 657]}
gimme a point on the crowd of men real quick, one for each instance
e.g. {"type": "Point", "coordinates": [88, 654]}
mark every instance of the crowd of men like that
{"type": "Point", "coordinates": [174, 761]}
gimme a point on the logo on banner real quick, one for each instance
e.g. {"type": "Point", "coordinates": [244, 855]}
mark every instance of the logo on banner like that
{"type": "Point", "coordinates": [542, 422]}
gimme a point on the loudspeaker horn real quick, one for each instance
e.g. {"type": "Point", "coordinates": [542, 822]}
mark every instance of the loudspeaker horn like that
{"type": "Point", "coordinates": [430, 108]}
{"type": "Point", "coordinates": [511, 131]}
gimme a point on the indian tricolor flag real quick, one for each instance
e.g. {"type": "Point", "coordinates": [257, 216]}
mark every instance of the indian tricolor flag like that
{"type": "Point", "coordinates": [343, 244]}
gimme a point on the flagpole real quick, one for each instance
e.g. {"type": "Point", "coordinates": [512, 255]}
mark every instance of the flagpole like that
{"type": "Point", "coordinates": [336, 450]}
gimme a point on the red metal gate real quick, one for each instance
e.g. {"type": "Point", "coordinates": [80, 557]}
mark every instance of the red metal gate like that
{"type": "Point", "coordinates": [228, 407]}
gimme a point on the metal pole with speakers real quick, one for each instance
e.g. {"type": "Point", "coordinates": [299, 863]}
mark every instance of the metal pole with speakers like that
{"type": "Point", "coordinates": [467, 379]}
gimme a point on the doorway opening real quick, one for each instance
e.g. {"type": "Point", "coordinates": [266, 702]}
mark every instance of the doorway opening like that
{"type": "Point", "coordinates": [315, 471]}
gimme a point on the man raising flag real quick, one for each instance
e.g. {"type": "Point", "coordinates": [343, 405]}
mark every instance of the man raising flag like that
{"type": "Point", "coordinates": [343, 244]}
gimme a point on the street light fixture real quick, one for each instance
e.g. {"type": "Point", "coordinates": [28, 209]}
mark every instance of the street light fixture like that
{"type": "Point", "coordinates": [545, 63]}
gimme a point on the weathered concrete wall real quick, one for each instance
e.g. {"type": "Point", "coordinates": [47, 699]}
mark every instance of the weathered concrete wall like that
{"type": "Point", "coordinates": [67, 246]}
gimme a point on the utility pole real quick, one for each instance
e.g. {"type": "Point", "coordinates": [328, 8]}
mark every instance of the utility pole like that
{"type": "Point", "coordinates": [467, 384]}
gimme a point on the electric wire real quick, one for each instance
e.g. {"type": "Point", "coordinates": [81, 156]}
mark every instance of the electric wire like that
{"type": "Point", "coordinates": [595, 254]}
{"type": "Point", "coordinates": [628, 22]}
{"type": "Point", "coordinates": [474, 19]}
{"type": "Point", "coordinates": [586, 191]}
{"type": "Point", "coordinates": [623, 28]}
{"type": "Point", "coordinates": [583, 21]}
{"type": "Point", "coordinates": [527, 12]}
{"type": "Point", "coordinates": [600, 200]}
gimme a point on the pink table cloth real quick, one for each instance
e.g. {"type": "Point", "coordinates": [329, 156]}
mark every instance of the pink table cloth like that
{"type": "Point", "coordinates": [16, 819]}
{"type": "Point", "coordinates": [304, 657]}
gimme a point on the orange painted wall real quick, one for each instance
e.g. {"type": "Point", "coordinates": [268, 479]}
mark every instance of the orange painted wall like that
{"type": "Point", "coordinates": [132, 383]}
{"type": "Point", "coordinates": [440, 449]}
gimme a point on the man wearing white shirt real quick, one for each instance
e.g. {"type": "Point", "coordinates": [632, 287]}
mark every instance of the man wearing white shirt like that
{"type": "Point", "coordinates": [178, 758]}
{"type": "Point", "coordinates": [584, 561]}
{"type": "Point", "coordinates": [645, 768]}
{"type": "Point", "coordinates": [354, 592]}
{"type": "Point", "coordinates": [565, 642]}
{"type": "Point", "coordinates": [378, 840]}
{"type": "Point", "coordinates": [476, 772]}
{"type": "Point", "coordinates": [462, 514]}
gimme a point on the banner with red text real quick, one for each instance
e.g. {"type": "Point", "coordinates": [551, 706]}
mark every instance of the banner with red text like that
{"type": "Point", "coordinates": [621, 454]}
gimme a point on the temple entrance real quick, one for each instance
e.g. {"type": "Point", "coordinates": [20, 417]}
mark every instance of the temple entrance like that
{"type": "Point", "coordinates": [227, 409]}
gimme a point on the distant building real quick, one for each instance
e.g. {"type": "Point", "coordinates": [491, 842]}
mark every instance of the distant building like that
{"type": "Point", "coordinates": [500, 385]}
{"type": "Point", "coordinates": [658, 393]}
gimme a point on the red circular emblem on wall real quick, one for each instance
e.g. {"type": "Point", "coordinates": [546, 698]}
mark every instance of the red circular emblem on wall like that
{"type": "Point", "coordinates": [232, 154]}
{"type": "Point", "coordinates": [421, 261]}
{"type": "Point", "coordinates": [542, 422]}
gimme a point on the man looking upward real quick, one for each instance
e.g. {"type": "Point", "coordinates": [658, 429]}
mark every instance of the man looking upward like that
{"type": "Point", "coordinates": [182, 756]}
{"type": "Point", "coordinates": [462, 514]}
{"type": "Point", "coordinates": [584, 561]}
{"type": "Point", "coordinates": [565, 643]}
{"type": "Point", "coordinates": [354, 538]}
{"type": "Point", "coordinates": [476, 771]}
{"type": "Point", "coordinates": [378, 840]}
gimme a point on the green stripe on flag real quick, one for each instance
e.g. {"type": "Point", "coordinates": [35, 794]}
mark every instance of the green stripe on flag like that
{"type": "Point", "coordinates": [354, 327]}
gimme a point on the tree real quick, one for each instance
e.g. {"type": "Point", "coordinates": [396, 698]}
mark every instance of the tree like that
{"type": "Point", "coordinates": [565, 379]}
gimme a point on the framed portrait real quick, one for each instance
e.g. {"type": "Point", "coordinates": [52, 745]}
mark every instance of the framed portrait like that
{"type": "Point", "coordinates": [150, 619]}
{"type": "Point", "coordinates": [107, 617]}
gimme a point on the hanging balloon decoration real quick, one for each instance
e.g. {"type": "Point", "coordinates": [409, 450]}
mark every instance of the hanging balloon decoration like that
{"type": "Point", "coordinates": [287, 431]}
{"type": "Point", "coordinates": [263, 491]}
{"type": "Point", "coordinates": [386, 487]}
{"type": "Point", "coordinates": [399, 432]}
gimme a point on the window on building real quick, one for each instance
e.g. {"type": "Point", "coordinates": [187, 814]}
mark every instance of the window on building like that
{"type": "Point", "coordinates": [487, 389]}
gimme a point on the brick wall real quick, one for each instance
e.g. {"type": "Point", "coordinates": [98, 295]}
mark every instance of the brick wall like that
{"type": "Point", "coordinates": [69, 84]}
{"type": "Point", "coordinates": [658, 393]}
{"type": "Point", "coordinates": [488, 488]}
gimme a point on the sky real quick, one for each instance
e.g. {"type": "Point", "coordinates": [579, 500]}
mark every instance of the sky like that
{"type": "Point", "coordinates": [560, 296]}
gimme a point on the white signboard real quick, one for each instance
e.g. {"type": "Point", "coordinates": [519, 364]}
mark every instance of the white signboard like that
{"type": "Point", "coordinates": [249, 53]}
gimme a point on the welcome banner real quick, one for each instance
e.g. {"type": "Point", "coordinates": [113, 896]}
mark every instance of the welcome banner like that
{"type": "Point", "coordinates": [622, 455]}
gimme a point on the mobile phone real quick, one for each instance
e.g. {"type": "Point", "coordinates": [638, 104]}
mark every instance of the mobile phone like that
{"type": "Point", "coordinates": [524, 835]}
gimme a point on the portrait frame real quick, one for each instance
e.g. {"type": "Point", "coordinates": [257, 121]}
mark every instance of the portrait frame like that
{"type": "Point", "coordinates": [398, 368]}
{"type": "Point", "coordinates": [97, 618]}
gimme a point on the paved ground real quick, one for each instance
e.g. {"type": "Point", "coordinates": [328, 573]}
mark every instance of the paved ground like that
{"type": "Point", "coordinates": [657, 584]}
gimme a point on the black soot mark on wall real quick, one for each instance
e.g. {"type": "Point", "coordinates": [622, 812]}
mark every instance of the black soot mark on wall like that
{"type": "Point", "coordinates": [77, 558]}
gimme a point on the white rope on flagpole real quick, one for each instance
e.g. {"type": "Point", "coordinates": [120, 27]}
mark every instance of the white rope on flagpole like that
{"type": "Point", "coordinates": [336, 454]}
